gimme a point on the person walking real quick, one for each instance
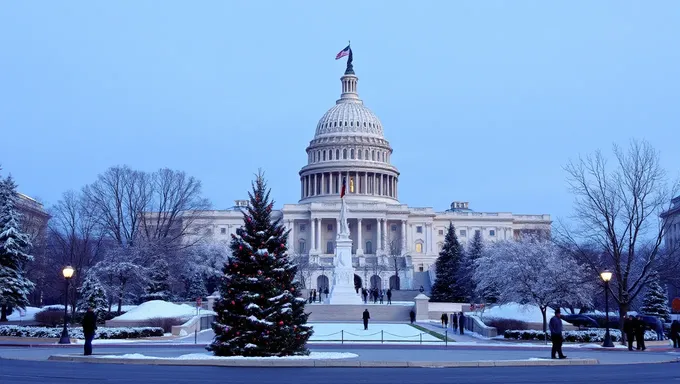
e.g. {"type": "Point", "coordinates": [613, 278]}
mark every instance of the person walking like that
{"type": "Point", "coordinates": [640, 329]}
{"type": "Point", "coordinates": [556, 335]}
{"type": "Point", "coordinates": [366, 317]}
{"type": "Point", "coordinates": [382, 293]}
{"type": "Point", "coordinates": [629, 329]}
{"type": "Point", "coordinates": [445, 320]}
{"type": "Point", "coordinates": [89, 324]}
{"type": "Point", "coordinates": [413, 316]}
{"type": "Point", "coordinates": [389, 296]}
{"type": "Point", "coordinates": [461, 323]}
{"type": "Point", "coordinates": [364, 294]}
{"type": "Point", "coordinates": [454, 322]}
{"type": "Point", "coordinates": [313, 295]}
{"type": "Point", "coordinates": [675, 333]}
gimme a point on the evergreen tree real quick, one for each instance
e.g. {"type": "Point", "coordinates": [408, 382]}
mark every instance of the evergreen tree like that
{"type": "Point", "coordinates": [158, 287]}
{"type": "Point", "coordinates": [655, 302]}
{"type": "Point", "coordinates": [447, 287]}
{"type": "Point", "coordinates": [196, 287]}
{"type": "Point", "coordinates": [14, 248]}
{"type": "Point", "coordinates": [260, 312]}
{"type": "Point", "coordinates": [93, 295]}
{"type": "Point", "coordinates": [467, 271]}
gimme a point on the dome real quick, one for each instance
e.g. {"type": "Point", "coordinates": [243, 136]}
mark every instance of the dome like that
{"type": "Point", "coordinates": [350, 118]}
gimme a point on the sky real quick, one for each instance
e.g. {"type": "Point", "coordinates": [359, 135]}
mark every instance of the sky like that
{"type": "Point", "coordinates": [483, 102]}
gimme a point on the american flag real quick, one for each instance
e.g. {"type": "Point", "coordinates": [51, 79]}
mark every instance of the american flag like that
{"type": "Point", "coordinates": [342, 190]}
{"type": "Point", "coordinates": [343, 53]}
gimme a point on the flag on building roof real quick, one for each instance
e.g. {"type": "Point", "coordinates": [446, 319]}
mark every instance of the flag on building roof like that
{"type": "Point", "coordinates": [342, 190]}
{"type": "Point", "coordinates": [343, 53]}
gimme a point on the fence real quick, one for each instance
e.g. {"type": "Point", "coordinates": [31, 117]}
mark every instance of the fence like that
{"type": "Point", "coordinates": [385, 337]}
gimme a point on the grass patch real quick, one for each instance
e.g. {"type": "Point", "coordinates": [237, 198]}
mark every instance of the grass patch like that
{"type": "Point", "coordinates": [431, 333]}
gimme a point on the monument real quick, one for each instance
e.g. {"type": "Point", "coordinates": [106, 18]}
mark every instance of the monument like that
{"type": "Point", "coordinates": [343, 291]}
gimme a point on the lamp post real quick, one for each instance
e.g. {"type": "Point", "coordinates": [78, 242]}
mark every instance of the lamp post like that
{"type": "Point", "coordinates": [68, 274]}
{"type": "Point", "coordinates": [606, 276]}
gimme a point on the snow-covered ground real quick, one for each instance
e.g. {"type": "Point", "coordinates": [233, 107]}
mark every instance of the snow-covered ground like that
{"type": "Point", "coordinates": [159, 309]}
{"type": "Point", "coordinates": [354, 332]}
{"type": "Point", "coordinates": [29, 314]}
{"type": "Point", "coordinates": [207, 356]}
{"type": "Point", "coordinates": [398, 303]}
{"type": "Point", "coordinates": [528, 313]}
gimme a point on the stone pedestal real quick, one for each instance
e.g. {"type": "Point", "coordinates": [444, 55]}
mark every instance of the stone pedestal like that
{"type": "Point", "coordinates": [422, 307]}
{"type": "Point", "coordinates": [343, 291]}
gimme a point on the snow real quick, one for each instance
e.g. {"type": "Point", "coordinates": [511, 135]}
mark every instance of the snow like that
{"type": "Point", "coordinates": [206, 356]}
{"type": "Point", "coordinates": [405, 333]}
{"type": "Point", "coordinates": [279, 297]}
{"type": "Point", "coordinates": [528, 313]}
{"type": "Point", "coordinates": [256, 320]}
{"type": "Point", "coordinates": [159, 309]}
{"type": "Point", "coordinates": [29, 314]}
{"type": "Point", "coordinates": [252, 306]}
{"type": "Point", "coordinates": [286, 310]}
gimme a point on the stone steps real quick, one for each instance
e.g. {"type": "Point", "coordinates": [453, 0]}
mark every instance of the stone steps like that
{"type": "Point", "coordinates": [379, 312]}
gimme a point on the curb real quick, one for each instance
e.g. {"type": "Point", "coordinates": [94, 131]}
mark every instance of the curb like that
{"type": "Point", "coordinates": [327, 363]}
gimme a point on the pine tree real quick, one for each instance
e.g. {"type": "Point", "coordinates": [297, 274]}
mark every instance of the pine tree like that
{"type": "Point", "coordinates": [196, 287]}
{"type": "Point", "coordinates": [260, 312]}
{"type": "Point", "coordinates": [14, 248]}
{"type": "Point", "coordinates": [655, 302]}
{"type": "Point", "coordinates": [158, 287]}
{"type": "Point", "coordinates": [93, 295]}
{"type": "Point", "coordinates": [446, 286]}
{"type": "Point", "coordinates": [474, 252]}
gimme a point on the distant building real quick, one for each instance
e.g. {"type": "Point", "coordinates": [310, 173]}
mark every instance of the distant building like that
{"type": "Point", "coordinates": [671, 222]}
{"type": "Point", "coordinates": [34, 220]}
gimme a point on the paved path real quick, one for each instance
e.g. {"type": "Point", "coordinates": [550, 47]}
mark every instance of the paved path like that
{"type": "Point", "coordinates": [452, 335]}
{"type": "Point", "coordinates": [15, 372]}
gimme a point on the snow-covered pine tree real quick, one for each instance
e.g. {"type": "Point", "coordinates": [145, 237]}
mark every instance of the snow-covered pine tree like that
{"type": "Point", "coordinates": [655, 302]}
{"type": "Point", "coordinates": [14, 252]}
{"type": "Point", "coordinates": [260, 312]}
{"type": "Point", "coordinates": [92, 295]}
{"type": "Point", "coordinates": [158, 287]}
{"type": "Point", "coordinates": [467, 270]}
{"type": "Point", "coordinates": [446, 287]}
{"type": "Point", "coordinates": [196, 287]}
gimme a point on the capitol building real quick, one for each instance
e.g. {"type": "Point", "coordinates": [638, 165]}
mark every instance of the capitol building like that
{"type": "Point", "coordinates": [393, 242]}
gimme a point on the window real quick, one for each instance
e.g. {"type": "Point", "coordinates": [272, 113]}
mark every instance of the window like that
{"type": "Point", "coordinates": [421, 268]}
{"type": "Point", "coordinates": [419, 229]}
{"type": "Point", "coordinates": [330, 155]}
{"type": "Point", "coordinates": [329, 227]}
{"type": "Point", "coordinates": [329, 247]}
{"type": "Point", "coordinates": [208, 231]}
{"type": "Point", "coordinates": [303, 227]}
{"type": "Point", "coordinates": [368, 227]}
{"type": "Point", "coordinates": [223, 231]}
{"type": "Point", "coordinates": [369, 247]}
{"type": "Point", "coordinates": [463, 232]}
{"type": "Point", "coordinates": [419, 247]}
{"type": "Point", "coordinates": [337, 154]}
{"type": "Point", "coordinates": [477, 232]}
{"type": "Point", "coordinates": [302, 245]}
{"type": "Point", "coordinates": [394, 228]}
{"type": "Point", "coordinates": [359, 154]}
{"type": "Point", "coordinates": [344, 154]}
{"type": "Point", "coordinates": [351, 183]}
{"type": "Point", "coordinates": [492, 233]}
{"type": "Point", "coordinates": [351, 154]}
{"type": "Point", "coordinates": [441, 232]}
{"type": "Point", "coordinates": [324, 156]}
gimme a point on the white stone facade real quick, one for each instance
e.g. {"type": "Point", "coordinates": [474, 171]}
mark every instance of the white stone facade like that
{"type": "Point", "coordinates": [671, 220]}
{"type": "Point", "coordinates": [349, 145]}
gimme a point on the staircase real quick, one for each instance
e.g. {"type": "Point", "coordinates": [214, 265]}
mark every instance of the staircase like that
{"type": "Point", "coordinates": [422, 279]}
{"type": "Point", "coordinates": [352, 313]}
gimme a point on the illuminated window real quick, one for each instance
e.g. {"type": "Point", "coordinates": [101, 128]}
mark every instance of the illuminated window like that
{"type": "Point", "coordinates": [419, 247]}
{"type": "Point", "coordinates": [351, 184]}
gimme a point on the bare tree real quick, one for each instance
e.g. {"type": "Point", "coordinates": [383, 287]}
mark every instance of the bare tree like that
{"type": "Point", "coordinates": [395, 260]}
{"type": "Point", "coordinates": [305, 266]}
{"type": "Point", "coordinates": [617, 211]}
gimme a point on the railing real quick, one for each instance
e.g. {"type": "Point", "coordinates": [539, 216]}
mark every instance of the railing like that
{"type": "Point", "coordinates": [343, 336]}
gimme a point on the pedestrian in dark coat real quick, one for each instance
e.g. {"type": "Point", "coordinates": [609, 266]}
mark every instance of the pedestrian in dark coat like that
{"type": "Point", "coordinates": [445, 320]}
{"type": "Point", "coordinates": [413, 316]}
{"type": "Point", "coordinates": [313, 295]}
{"type": "Point", "coordinates": [454, 322]}
{"type": "Point", "coordinates": [89, 327]}
{"type": "Point", "coordinates": [675, 333]}
{"type": "Point", "coordinates": [629, 329]}
{"type": "Point", "coordinates": [366, 317]}
{"type": "Point", "coordinates": [640, 329]}
{"type": "Point", "coordinates": [556, 335]}
{"type": "Point", "coordinates": [389, 296]}
{"type": "Point", "coordinates": [461, 323]}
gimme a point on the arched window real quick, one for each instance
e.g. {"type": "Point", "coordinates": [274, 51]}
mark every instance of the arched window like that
{"type": "Point", "coordinates": [366, 154]}
{"type": "Point", "coordinates": [419, 246]}
{"type": "Point", "coordinates": [344, 153]}
{"type": "Point", "coordinates": [330, 155]}
{"type": "Point", "coordinates": [302, 246]}
{"type": "Point", "coordinates": [337, 154]}
{"type": "Point", "coordinates": [376, 282]}
{"type": "Point", "coordinates": [324, 156]}
{"type": "Point", "coordinates": [351, 123]}
{"type": "Point", "coordinates": [394, 282]}
{"type": "Point", "coordinates": [369, 247]}
{"type": "Point", "coordinates": [351, 153]}
{"type": "Point", "coordinates": [322, 283]}
{"type": "Point", "coordinates": [359, 154]}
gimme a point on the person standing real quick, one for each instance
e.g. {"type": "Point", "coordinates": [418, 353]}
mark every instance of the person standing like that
{"type": "Point", "coordinates": [629, 329]}
{"type": "Point", "coordinates": [461, 323]}
{"type": "Point", "coordinates": [366, 317]}
{"type": "Point", "coordinates": [556, 335]}
{"type": "Point", "coordinates": [413, 316]}
{"type": "Point", "coordinates": [89, 327]}
{"type": "Point", "coordinates": [445, 320]}
{"type": "Point", "coordinates": [382, 294]}
{"type": "Point", "coordinates": [389, 296]}
{"type": "Point", "coordinates": [640, 329]}
{"type": "Point", "coordinates": [454, 322]}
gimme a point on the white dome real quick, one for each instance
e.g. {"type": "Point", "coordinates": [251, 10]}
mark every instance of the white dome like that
{"type": "Point", "coordinates": [350, 118]}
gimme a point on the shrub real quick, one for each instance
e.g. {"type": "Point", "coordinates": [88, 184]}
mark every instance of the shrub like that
{"type": "Point", "coordinates": [167, 322]}
{"type": "Point", "coordinates": [503, 325]}
{"type": "Point", "coordinates": [77, 333]}
{"type": "Point", "coordinates": [586, 336]}
{"type": "Point", "coordinates": [50, 317]}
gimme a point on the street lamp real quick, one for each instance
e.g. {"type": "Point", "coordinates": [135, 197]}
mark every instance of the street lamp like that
{"type": "Point", "coordinates": [606, 276]}
{"type": "Point", "coordinates": [68, 274]}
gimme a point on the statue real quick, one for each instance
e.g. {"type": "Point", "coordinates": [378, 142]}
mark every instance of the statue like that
{"type": "Point", "coordinates": [343, 230]}
{"type": "Point", "coordinates": [350, 67]}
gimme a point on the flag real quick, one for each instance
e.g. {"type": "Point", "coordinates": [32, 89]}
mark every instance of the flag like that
{"type": "Point", "coordinates": [342, 190]}
{"type": "Point", "coordinates": [343, 53]}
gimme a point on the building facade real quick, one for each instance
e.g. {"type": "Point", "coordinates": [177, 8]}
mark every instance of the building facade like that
{"type": "Point", "coordinates": [671, 220]}
{"type": "Point", "coordinates": [391, 240]}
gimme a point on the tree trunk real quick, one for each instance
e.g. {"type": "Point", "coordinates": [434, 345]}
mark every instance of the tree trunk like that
{"type": "Point", "coordinates": [3, 314]}
{"type": "Point", "coordinates": [623, 310]}
{"type": "Point", "coordinates": [545, 320]}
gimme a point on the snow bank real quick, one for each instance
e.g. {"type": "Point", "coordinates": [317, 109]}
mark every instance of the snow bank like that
{"type": "Point", "coordinates": [205, 356]}
{"type": "Point", "coordinates": [159, 309]}
{"type": "Point", "coordinates": [528, 313]}
{"type": "Point", "coordinates": [29, 314]}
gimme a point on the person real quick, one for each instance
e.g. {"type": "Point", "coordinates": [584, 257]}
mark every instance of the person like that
{"type": "Point", "coordinates": [659, 330]}
{"type": "Point", "coordinates": [454, 322]}
{"type": "Point", "coordinates": [445, 320]}
{"type": "Point", "coordinates": [461, 323]}
{"type": "Point", "coordinates": [556, 335]}
{"type": "Point", "coordinates": [413, 316]}
{"type": "Point", "coordinates": [325, 291]}
{"type": "Point", "coordinates": [313, 295]}
{"type": "Point", "coordinates": [629, 329]}
{"type": "Point", "coordinates": [421, 289]}
{"type": "Point", "coordinates": [381, 294]}
{"type": "Point", "coordinates": [89, 324]}
{"type": "Point", "coordinates": [640, 329]}
{"type": "Point", "coordinates": [675, 333]}
{"type": "Point", "coordinates": [389, 296]}
{"type": "Point", "coordinates": [366, 317]}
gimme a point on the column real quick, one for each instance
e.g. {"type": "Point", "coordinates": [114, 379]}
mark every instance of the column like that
{"type": "Point", "coordinates": [403, 236]}
{"type": "Point", "coordinates": [291, 236]}
{"type": "Point", "coordinates": [431, 237]}
{"type": "Point", "coordinates": [323, 184]}
{"type": "Point", "coordinates": [409, 237]}
{"type": "Point", "coordinates": [357, 183]}
{"type": "Point", "coordinates": [313, 239]}
{"type": "Point", "coordinates": [360, 245]}
{"type": "Point", "coordinates": [366, 183]}
{"type": "Point", "coordinates": [314, 189]}
{"type": "Point", "coordinates": [378, 241]}
{"type": "Point", "coordinates": [318, 233]}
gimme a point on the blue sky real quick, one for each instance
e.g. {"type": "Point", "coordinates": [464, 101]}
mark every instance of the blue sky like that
{"type": "Point", "coordinates": [482, 101]}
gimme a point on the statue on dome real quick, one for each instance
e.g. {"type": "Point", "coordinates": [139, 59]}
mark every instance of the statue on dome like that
{"type": "Point", "coordinates": [350, 67]}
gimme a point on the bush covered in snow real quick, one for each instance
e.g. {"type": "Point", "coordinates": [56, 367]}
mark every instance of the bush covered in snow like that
{"type": "Point", "coordinates": [585, 336]}
{"type": "Point", "coordinates": [50, 317]}
{"type": "Point", "coordinates": [503, 325]}
{"type": "Point", "coordinates": [166, 322]}
{"type": "Point", "coordinates": [77, 333]}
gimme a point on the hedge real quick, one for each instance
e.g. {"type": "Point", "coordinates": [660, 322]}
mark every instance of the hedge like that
{"type": "Point", "coordinates": [77, 333]}
{"type": "Point", "coordinates": [585, 336]}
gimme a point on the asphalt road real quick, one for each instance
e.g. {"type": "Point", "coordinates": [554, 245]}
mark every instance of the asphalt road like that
{"type": "Point", "coordinates": [12, 372]}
